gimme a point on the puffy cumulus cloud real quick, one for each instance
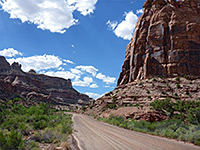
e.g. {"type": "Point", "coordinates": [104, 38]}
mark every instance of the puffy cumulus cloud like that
{"type": "Point", "coordinates": [94, 86]}
{"type": "Point", "coordinates": [61, 74]}
{"type": "Point", "coordinates": [112, 24]}
{"type": "Point", "coordinates": [84, 83]}
{"type": "Point", "coordinates": [106, 79]}
{"type": "Point", "coordinates": [53, 15]}
{"type": "Point", "coordinates": [10, 52]}
{"type": "Point", "coordinates": [139, 11]}
{"type": "Point", "coordinates": [90, 69]}
{"type": "Point", "coordinates": [93, 95]}
{"type": "Point", "coordinates": [38, 62]}
{"type": "Point", "coordinates": [126, 27]}
{"type": "Point", "coordinates": [85, 7]}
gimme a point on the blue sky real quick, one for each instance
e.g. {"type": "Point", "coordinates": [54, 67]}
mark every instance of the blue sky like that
{"type": "Point", "coordinates": [83, 40]}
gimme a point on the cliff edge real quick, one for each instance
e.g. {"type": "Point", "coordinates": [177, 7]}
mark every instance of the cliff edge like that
{"type": "Point", "coordinates": [166, 41]}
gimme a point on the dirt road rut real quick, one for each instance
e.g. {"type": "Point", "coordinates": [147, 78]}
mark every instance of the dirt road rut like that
{"type": "Point", "coordinates": [95, 135]}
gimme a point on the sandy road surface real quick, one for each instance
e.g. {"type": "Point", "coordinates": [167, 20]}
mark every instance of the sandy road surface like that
{"type": "Point", "coordinates": [95, 135]}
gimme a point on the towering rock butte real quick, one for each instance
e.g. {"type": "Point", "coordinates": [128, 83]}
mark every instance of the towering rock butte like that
{"type": "Point", "coordinates": [166, 41]}
{"type": "Point", "coordinates": [32, 86]}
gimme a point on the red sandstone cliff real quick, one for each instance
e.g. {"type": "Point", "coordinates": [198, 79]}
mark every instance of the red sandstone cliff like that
{"type": "Point", "coordinates": [166, 41]}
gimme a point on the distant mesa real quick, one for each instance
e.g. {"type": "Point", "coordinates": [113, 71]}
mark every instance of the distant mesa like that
{"type": "Point", "coordinates": [37, 87]}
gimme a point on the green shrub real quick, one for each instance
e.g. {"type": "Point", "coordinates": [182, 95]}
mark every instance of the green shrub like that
{"type": "Point", "coordinates": [164, 93]}
{"type": "Point", "coordinates": [154, 79]}
{"type": "Point", "coordinates": [193, 115]}
{"type": "Point", "coordinates": [172, 128]}
{"type": "Point", "coordinates": [83, 108]}
{"type": "Point", "coordinates": [31, 145]}
{"type": "Point", "coordinates": [11, 141]}
{"type": "Point", "coordinates": [3, 141]}
{"type": "Point", "coordinates": [42, 124]}
{"type": "Point", "coordinates": [177, 79]}
{"type": "Point", "coordinates": [197, 141]}
{"type": "Point", "coordinates": [111, 106]}
{"type": "Point", "coordinates": [178, 86]}
{"type": "Point", "coordinates": [18, 122]}
{"type": "Point", "coordinates": [114, 99]}
{"type": "Point", "coordinates": [164, 106]}
{"type": "Point", "coordinates": [168, 133]}
{"type": "Point", "coordinates": [179, 109]}
{"type": "Point", "coordinates": [66, 129]}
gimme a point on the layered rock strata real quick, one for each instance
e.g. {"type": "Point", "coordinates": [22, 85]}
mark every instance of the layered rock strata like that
{"type": "Point", "coordinates": [32, 86]}
{"type": "Point", "coordinates": [166, 41]}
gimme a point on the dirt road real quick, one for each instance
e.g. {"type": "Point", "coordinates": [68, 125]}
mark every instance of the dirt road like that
{"type": "Point", "coordinates": [95, 135]}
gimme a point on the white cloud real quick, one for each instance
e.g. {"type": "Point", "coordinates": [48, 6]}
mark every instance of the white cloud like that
{"type": "Point", "coordinates": [85, 7]}
{"type": "Point", "coordinates": [139, 11]}
{"type": "Point", "coordinates": [90, 69]}
{"type": "Point", "coordinates": [112, 24]}
{"type": "Point", "coordinates": [106, 86]}
{"type": "Point", "coordinates": [106, 79]}
{"type": "Point", "coordinates": [76, 71]}
{"type": "Point", "coordinates": [68, 61]}
{"type": "Point", "coordinates": [94, 86]}
{"type": "Point", "coordinates": [61, 69]}
{"type": "Point", "coordinates": [93, 95]}
{"type": "Point", "coordinates": [84, 83]}
{"type": "Point", "coordinates": [53, 15]}
{"type": "Point", "coordinates": [38, 62]}
{"type": "Point", "coordinates": [61, 74]}
{"type": "Point", "coordinates": [10, 52]}
{"type": "Point", "coordinates": [126, 27]}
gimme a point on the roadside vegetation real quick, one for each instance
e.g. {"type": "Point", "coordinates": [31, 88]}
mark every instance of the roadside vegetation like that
{"type": "Point", "coordinates": [183, 123]}
{"type": "Point", "coordinates": [24, 128]}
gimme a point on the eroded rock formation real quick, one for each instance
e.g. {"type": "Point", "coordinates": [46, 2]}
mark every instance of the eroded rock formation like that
{"type": "Point", "coordinates": [166, 41]}
{"type": "Point", "coordinates": [32, 86]}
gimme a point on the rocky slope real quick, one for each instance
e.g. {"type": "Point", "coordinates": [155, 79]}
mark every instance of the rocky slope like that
{"type": "Point", "coordinates": [162, 60]}
{"type": "Point", "coordinates": [32, 86]}
{"type": "Point", "coordinates": [132, 100]}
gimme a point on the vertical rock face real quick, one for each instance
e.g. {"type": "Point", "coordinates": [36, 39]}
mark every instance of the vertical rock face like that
{"type": "Point", "coordinates": [166, 41]}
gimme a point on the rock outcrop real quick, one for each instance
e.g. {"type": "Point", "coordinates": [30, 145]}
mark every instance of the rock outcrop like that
{"type": "Point", "coordinates": [162, 61]}
{"type": "Point", "coordinates": [166, 41]}
{"type": "Point", "coordinates": [36, 87]}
